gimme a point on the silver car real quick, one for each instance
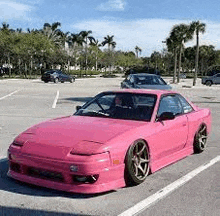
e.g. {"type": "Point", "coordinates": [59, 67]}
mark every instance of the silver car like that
{"type": "Point", "coordinates": [210, 80]}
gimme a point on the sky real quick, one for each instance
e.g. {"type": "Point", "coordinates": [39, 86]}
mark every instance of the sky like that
{"type": "Point", "coordinates": [142, 23]}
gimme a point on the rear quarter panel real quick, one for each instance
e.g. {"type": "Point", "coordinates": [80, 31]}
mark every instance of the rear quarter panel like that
{"type": "Point", "coordinates": [195, 119]}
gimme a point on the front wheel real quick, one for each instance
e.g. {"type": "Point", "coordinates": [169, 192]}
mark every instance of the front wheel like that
{"type": "Point", "coordinates": [137, 163]}
{"type": "Point", "coordinates": [208, 83]}
{"type": "Point", "coordinates": [200, 139]}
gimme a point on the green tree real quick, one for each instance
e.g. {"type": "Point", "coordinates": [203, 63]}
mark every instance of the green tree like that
{"type": "Point", "coordinates": [53, 32]}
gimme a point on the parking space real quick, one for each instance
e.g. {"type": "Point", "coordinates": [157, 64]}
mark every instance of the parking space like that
{"type": "Point", "coordinates": [33, 103]}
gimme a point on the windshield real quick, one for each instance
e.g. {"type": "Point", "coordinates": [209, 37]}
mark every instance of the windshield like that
{"type": "Point", "coordinates": [120, 106]}
{"type": "Point", "coordinates": [149, 80]}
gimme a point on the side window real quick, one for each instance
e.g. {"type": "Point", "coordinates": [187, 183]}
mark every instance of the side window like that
{"type": "Point", "coordinates": [186, 106]}
{"type": "Point", "coordinates": [132, 79]}
{"type": "Point", "coordinates": [170, 103]}
{"type": "Point", "coordinates": [106, 101]}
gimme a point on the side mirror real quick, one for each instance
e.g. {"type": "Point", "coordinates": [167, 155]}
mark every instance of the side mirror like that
{"type": "Point", "coordinates": [78, 108]}
{"type": "Point", "coordinates": [166, 116]}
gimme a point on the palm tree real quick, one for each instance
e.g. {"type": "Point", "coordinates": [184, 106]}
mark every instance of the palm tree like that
{"type": "Point", "coordinates": [181, 34]}
{"type": "Point", "coordinates": [95, 45]}
{"type": "Point", "coordinates": [137, 50]}
{"type": "Point", "coordinates": [85, 37]}
{"type": "Point", "coordinates": [111, 45]}
{"type": "Point", "coordinates": [52, 32]}
{"type": "Point", "coordinates": [76, 42]}
{"type": "Point", "coordinates": [109, 40]}
{"type": "Point", "coordinates": [172, 45]}
{"type": "Point", "coordinates": [197, 27]}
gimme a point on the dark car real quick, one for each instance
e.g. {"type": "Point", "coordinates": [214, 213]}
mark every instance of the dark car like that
{"type": "Point", "coordinates": [56, 76]}
{"type": "Point", "coordinates": [209, 80]}
{"type": "Point", "coordinates": [145, 81]}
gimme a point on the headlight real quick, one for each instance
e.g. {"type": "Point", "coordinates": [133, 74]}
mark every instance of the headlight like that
{"type": "Point", "coordinates": [18, 143]}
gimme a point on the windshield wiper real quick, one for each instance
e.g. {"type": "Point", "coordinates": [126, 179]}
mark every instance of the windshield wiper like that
{"type": "Point", "coordinates": [97, 112]}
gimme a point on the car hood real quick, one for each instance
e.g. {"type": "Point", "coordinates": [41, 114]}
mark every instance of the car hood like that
{"type": "Point", "coordinates": [166, 87]}
{"type": "Point", "coordinates": [80, 134]}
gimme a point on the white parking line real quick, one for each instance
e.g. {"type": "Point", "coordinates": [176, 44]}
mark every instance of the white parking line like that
{"type": "Point", "coordinates": [9, 95]}
{"type": "Point", "coordinates": [146, 203]}
{"type": "Point", "coordinates": [56, 99]}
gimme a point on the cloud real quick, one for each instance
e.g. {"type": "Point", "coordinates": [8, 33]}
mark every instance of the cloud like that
{"type": "Point", "coordinates": [112, 5]}
{"type": "Point", "coordinates": [13, 10]}
{"type": "Point", "coordinates": [148, 34]}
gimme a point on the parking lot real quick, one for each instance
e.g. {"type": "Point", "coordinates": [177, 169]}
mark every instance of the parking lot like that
{"type": "Point", "coordinates": [24, 103]}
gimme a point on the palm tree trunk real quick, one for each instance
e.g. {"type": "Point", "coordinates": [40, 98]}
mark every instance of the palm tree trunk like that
{"type": "Point", "coordinates": [180, 59]}
{"type": "Point", "coordinates": [197, 59]}
{"type": "Point", "coordinates": [9, 65]}
{"type": "Point", "coordinates": [175, 65]}
{"type": "Point", "coordinates": [96, 62]}
{"type": "Point", "coordinates": [86, 57]}
{"type": "Point", "coordinates": [19, 66]}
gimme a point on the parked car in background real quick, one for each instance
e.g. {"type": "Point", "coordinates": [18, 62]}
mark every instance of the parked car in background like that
{"type": "Point", "coordinates": [56, 76]}
{"type": "Point", "coordinates": [182, 76]}
{"type": "Point", "coordinates": [210, 80]}
{"type": "Point", "coordinates": [145, 81]}
{"type": "Point", "coordinates": [115, 139]}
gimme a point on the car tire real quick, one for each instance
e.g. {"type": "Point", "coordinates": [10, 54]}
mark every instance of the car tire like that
{"type": "Point", "coordinates": [208, 83]}
{"type": "Point", "coordinates": [62, 81]}
{"type": "Point", "coordinates": [72, 80]}
{"type": "Point", "coordinates": [137, 163]}
{"type": "Point", "coordinates": [46, 81]}
{"type": "Point", "coordinates": [200, 139]}
{"type": "Point", "coordinates": [56, 80]}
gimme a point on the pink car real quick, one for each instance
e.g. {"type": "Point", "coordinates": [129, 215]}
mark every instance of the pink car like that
{"type": "Point", "coordinates": [114, 140]}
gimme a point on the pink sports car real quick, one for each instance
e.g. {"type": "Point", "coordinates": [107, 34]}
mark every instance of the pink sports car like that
{"type": "Point", "coordinates": [114, 140]}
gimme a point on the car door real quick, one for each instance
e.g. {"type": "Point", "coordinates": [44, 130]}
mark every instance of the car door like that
{"type": "Point", "coordinates": [171, 134]}
{"type": "Point", "coordinates": [61, 76]}
{"type": "Point", "coordinates": [216, 79]}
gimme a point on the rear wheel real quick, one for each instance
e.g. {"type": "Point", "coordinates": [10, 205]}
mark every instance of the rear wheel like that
{"type": "Point", "coordinates": [137, 163]}
{"type": "Point", "coordinates": [208, 83]}
{"type": "Point", "coordinates": [200, 139]}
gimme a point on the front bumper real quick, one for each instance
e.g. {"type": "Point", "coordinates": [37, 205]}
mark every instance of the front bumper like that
{"type": "Point", "coordinates": [56, 174]}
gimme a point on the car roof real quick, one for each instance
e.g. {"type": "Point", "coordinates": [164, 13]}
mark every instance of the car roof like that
{"type": "Point", "coordinates": [144, 74]}
{"type": "Point", "coordinates": [144, 91]}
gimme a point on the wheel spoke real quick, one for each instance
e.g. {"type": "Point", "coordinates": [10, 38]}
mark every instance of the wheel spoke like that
{"type": "Point", "coordinates": [143, 171]}
{"type": "Point", "coordinates": [142, 150]}
{"type": "Point", "coordinates": [202, 144]}
{"type": "Point", "coordinates": [203, 137]}
{"type": "Point", "coordinates": [143, 160]}
{"type": "Point", "coordinates": [202, 130]}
